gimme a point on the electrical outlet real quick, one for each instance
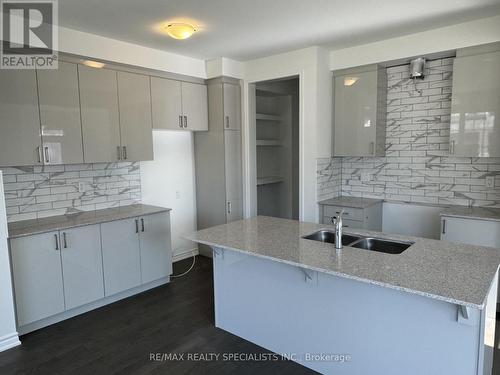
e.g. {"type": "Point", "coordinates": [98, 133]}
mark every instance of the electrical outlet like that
{"type": "Point", "coordinates": [177, 194]}
{"type": "Point", "coordinates": [490, 181]}
{"type": "Point", "coordinates": [81, 187]}
{"type": "Point", "coordinates": [366, 177]}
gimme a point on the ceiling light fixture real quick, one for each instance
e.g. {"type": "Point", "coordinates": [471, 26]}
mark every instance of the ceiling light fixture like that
{"type": "Point", "coordinates": [349, 81]}
{"type": "Point", "coordinates": [180, 30]}
{"type": "Point", "coordinates": [93, 64]}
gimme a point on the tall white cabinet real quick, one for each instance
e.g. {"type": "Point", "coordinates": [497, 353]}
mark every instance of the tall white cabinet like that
{"type": "Point", "coordinates": [219, 196]}
{"type": "Point", "coordinates": [360, 96]}
{"type": "Point", "coordinates": [475, 104]}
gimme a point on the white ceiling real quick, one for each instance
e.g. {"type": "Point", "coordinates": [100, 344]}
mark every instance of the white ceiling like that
{"type": "Point", "coordinates": [246, 29]}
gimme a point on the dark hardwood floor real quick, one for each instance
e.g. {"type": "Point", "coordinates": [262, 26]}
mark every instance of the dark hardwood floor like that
{"type": "Point", "coordinates": [119, 338]}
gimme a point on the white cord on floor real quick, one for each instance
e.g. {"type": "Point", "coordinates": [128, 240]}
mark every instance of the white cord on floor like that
{"type": "Point", "coordinates": [190, 268]}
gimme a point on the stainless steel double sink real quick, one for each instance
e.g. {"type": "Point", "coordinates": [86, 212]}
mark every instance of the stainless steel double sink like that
{"type": "Point", "coordinates": [365, 243]}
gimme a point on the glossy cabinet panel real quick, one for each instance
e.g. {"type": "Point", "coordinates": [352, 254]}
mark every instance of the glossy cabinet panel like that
{"type": "Point", "coordinates": [166, 104]}
{"type": "Point", "coordinates": [233, 166]}
{"type": "Point", "coordinates": [19, 118]}
{"type": "Point", "coordinates": [60, 114]}
{"type": "Point", "coordinates": [134, 103]}
{"type": "Point", "coordinates": [37, 273]}
{"type": "Point", "coordinates": [475, 108]}
{"type": "Point", "coordinates": [194, 106]}
{"type": "Point", "coordinates": [100, 119]}
{"type": "Point", "coordinates": [120, 255]}
{"type": "Point", "coordinates": [232, 106]}
{"type": "Point", "coordinates": [82, 265]}
{"type": "Point", "coordinates": [359, 126]}
{"type": "Point", "coordinates": [156, 247]}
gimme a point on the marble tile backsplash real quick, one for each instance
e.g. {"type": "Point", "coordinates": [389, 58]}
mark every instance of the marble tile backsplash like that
{"type": "Point", "coordinates": [41, 191]}
{"type": "Point", "coordinates": [417, 167]}
{"type": "Point", "coordinates": [329, 178]}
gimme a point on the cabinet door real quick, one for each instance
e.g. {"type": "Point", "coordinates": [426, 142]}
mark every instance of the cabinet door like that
{"type": "Point", "coordinates": [470, 231]}
{"type": "Point", "coordinates": [82, 265]}
{"type": "Point", "coordinates": [156, 247]}
{"type": "Point", "coordinates": [355, 114]}
{"type": "Point", "coordinates": [166, 104]}
{"type": "Point", "coordinates": [60, 114]}
{"type": "Point", "coordinates": [475, 106]}
{"type": "Point", "coordinates": [194, 106]}
{"type": "Point", "coordinates": [120, 255]}
{"type": "Point", "coordinates": [232, 107]}
{"type": "Point", "coordinates": [134, 98]}
{"type": "Point", "coordinates": [37, 273]}
{"type": "Point", "coordinates": [19, 118]}
{"type": "Point", "coordinates": [232, 162]}
{"type": "Point", "coordinates": [99, 108]}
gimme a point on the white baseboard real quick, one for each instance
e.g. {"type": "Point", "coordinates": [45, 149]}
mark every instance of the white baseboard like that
{"type": "Point", "coordinates": [184, 255]}
{"type": "Point", "coordinates": [9, 341]}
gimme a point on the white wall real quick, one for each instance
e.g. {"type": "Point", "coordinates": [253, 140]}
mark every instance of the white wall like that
{"type": "Point", "coordinates": [169, 181]}
{"type": "Point", "coordinates": [8, 334]}
{"type": "Point", "coordinates": [482, 31]}
{"type": "Point", "coordinates": [311, 65]}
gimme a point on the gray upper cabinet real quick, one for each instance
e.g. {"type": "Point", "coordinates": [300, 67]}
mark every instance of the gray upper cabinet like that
{"type": "Point", "coordinates": [134, 103]}
{"type": "Point", "coordinates": [194, 106]}
{"type": "Point", "coordinates": [60, 114]}
{"type": "Point", "coordinates": [232, 106]}
{"type": "Point", "coordinates": [179, 105]}
{"type": "Point", "coordinates": [100, 119]}
{"type": "Point", "coordinates": [166, 100]}
{"type": "Point", "coordinates": [20, 142]}
{"type": "Point", "coordinates": [475, 105]}
{"type": "Point", "coordinates": [359, 114]}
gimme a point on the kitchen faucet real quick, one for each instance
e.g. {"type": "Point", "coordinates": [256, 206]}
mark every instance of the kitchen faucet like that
{"type": "Point", "coordinates": [337, 221]}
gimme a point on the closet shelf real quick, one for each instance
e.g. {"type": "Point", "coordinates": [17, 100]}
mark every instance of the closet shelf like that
{"type": "Point", "coordinates": [269, 180]}
{"type": "Point", "coordinates": [264, 117]}
{"type": "Point", "coordinates": [269, 142]}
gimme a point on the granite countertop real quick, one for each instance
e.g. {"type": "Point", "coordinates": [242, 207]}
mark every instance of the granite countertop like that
{"type": "Point", "coordinates": [455, 273]}
{"type": "Point", "coordinates": [49, 224]}
{"type": "Point", "coordinates": [482, 213]}
{"type": "Point", "coordinates": [353, 202]}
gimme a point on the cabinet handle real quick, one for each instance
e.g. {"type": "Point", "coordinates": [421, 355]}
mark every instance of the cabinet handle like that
{"type": "Point", "coordinates": [118, 152]}
{"type": "Point", "coordinates": [47, 156]}
{"type": "Point", "coordinates": [443, 231]}
{"type": "Point", "coordinates": [57, 241]}
{"type": "Point", "coordinates": [64, 240]}
{"type": "Point", "coordinates": [452, 147]}
{"type": "Point", "coordinates": [372, 148]}
{"type": "Point", "coordinates": [185, 121]}
{"type": "Point", "coordinates": [39, 154]}
{"type": "Point", "coordinates": [124, 152]}
{"type": "Point", "coordinates": [227, 121]}
{"type": "Point", "coordinates": [344, 213]}
{"type": "Point", "coordinates": [180, 122]}
{"type": "Point", "coordinates": [142, 225]}
{"type": "Point", "coordinates": [136, 226]}
{"type": "Point", "coordinates": [228, 207]}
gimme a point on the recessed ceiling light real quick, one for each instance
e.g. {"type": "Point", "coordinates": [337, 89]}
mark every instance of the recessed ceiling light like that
{"type": "Point", "coordinates": [178, 30]}
{"type": "Point", "coordinates": [93, 64]}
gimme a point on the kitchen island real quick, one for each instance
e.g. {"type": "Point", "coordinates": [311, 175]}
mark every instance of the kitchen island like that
{"type": "Point", "coordinates": [428, 310]}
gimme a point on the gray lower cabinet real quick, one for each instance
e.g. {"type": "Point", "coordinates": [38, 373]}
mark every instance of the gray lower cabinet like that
{"type": "Point", "coordinates": [37, 274]}
{"type": "Point", "coordinates": [134, 104]}
{"type": "Point", "coordinates": [60, 114]}
{"type": "Point", "coordinates": [60, 271]}
{"type": "Point", "coordinates": [369, 218]}
{"type": "Point", "coordinates": [121, 255]}
{"type": "Point", "coordinates": [100, 118]}
{"type": "Point", "coordinates": [360, 111]}
{"type": "Point", "coordinates": [20, 142]}
{"type": "Point", "coordinates": [218, 161]}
